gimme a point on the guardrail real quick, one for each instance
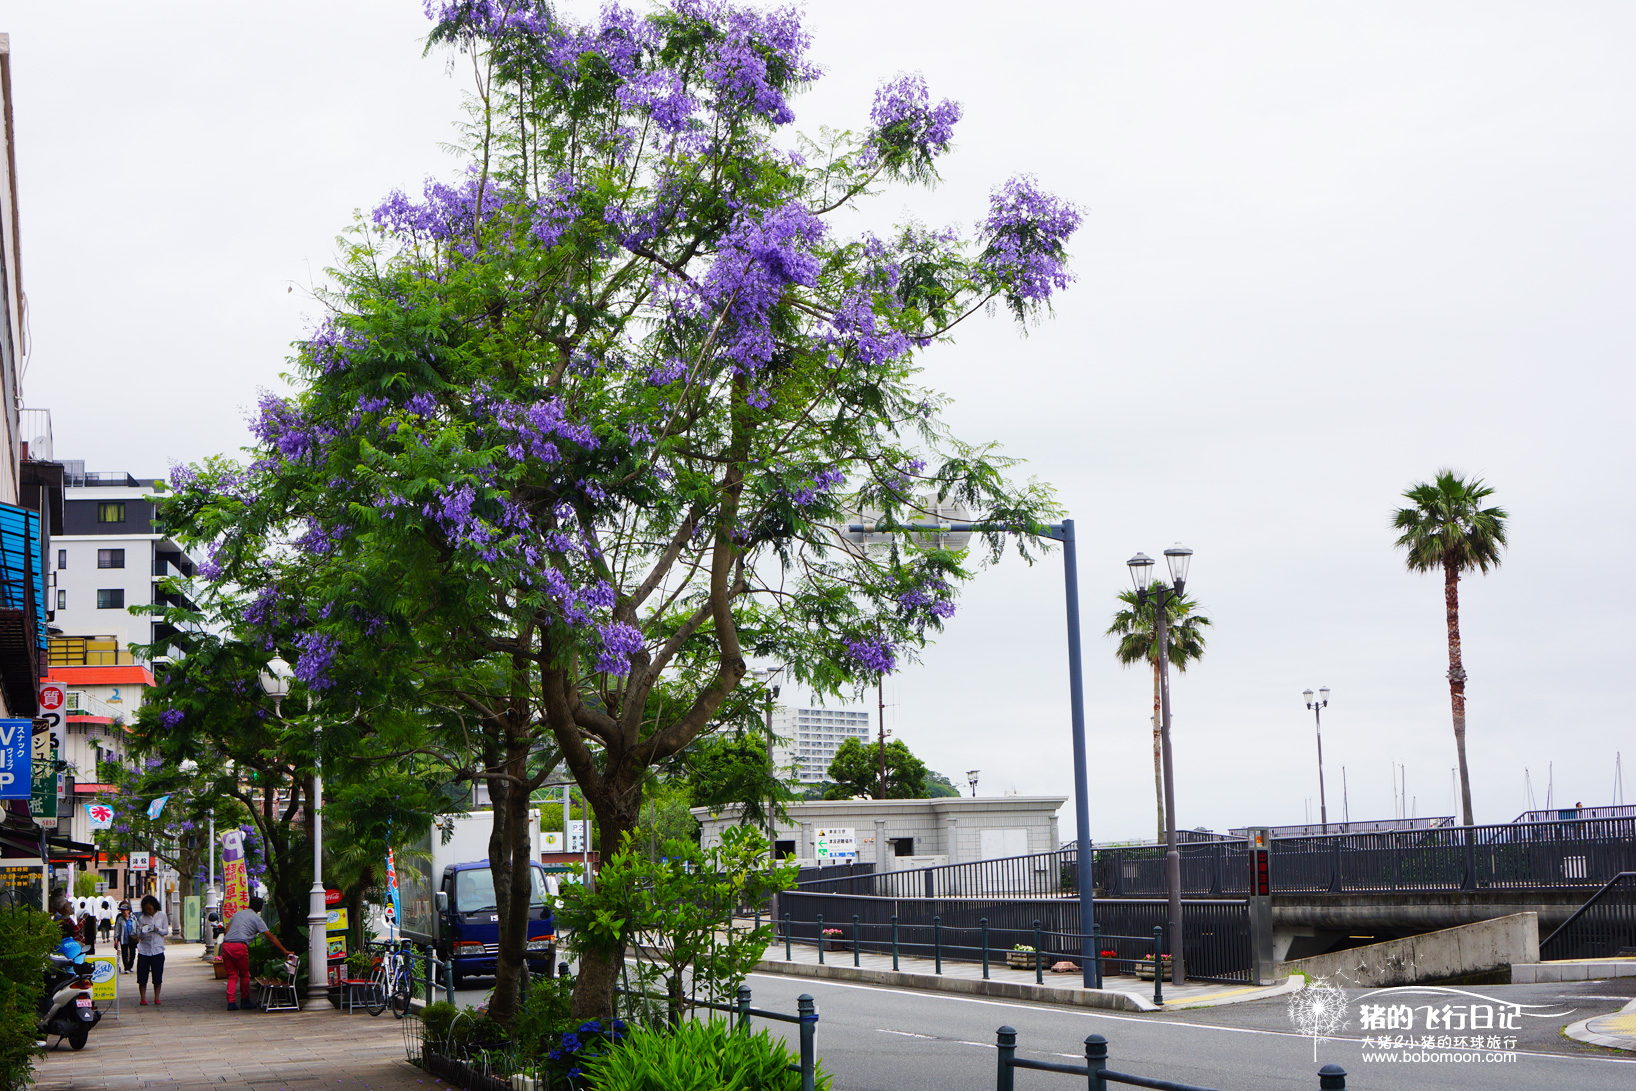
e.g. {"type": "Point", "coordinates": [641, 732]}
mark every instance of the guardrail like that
{"type": "Point", "coordinates": [1601, 928]}
{"type": "Point", "coordinates": [1098, 1075]}
{"type": "Point", "coordinates": [806, 1016]}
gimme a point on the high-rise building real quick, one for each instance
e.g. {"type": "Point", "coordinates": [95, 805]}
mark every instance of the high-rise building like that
{"type": "Point", "coordinates": [812, 735]}
{"type": "Point", "coordinates": [108, 559]}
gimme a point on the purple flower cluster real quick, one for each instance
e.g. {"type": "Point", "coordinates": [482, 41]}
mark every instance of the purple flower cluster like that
{"type": "Point", "coordinates": [757, 262]}
{"type": "Point", "coordinates": [312, 666]}
{"type": "Point", "coordinates": [931, 597]}
{"type": "Point", "coordinates": [905, 121]}
{"type": "Point", "coordinates": [755, 56]}
{"type": "Point", "coordinates": [873, 654]}
{"type": "Point", "coordinates": [171, 719]}
{"type": "Point", "coordinates": [448, 213]}
{"type": "Point", "coordinates": [619, 643]}
{"type": "Point", "coordinates": [1027, 231]}
{"type": "Point", "coordinates": [283, 427]}
{"type": "Point", "coordinates": [806, 494]}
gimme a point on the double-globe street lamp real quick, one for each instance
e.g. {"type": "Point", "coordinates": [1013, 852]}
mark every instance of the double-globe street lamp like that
{"type": "Point", "coordinates": [1177, 558]}
{"type": "Point", "coordinates": [275, 681]}
{"type": "Point", "coordinates": [1317, 707]}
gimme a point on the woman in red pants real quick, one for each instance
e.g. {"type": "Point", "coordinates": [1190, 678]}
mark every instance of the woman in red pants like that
{"type": "Point", "coordinates": [242, 929]}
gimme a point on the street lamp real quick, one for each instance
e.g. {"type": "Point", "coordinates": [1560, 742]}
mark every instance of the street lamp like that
{"type": "Point", "coordinates": [769, 674]}
{"type": "Point", "coordinates": [275, 681]}
{"type": "Point", "coordinates": [971, 779]}
{"type": "Point", "coordinates": [1177, 558]}
{"type": "Point", "coordinates": [1317, 708]}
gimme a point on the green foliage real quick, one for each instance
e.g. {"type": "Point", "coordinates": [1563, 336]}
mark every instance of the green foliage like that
{"type": "Point", "coordinates": [27, 938]}
{"type": "Point", "coordinates": [856, 770]}
{"type": "Point", "coordinates": [1134, 625]}
{"type": "Point", "coordinates": [683, 908]}
{"type": "Point", "coordinates": [85, 884]}
{"type": "Point", "coordinates": [544, 1015]}
{"type": "Point", "coordinates": [698, 1056]}
{"type": "Point", "coordinates": [666, 816]}
{"type": "Point", "coordinates": [939, 786]}
{"type": "Point", "coordinates": [728, 770]}
{"type": "Point", "coordinates": [1446, 525]}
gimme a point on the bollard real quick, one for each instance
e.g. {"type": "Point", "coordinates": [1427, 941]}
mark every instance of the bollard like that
{"type": "Point", "coordinates": [448, 979]}
{"type": "Point", "coordinates": [808, 1011]}
{"type": "Point", "coordinates": [1039, 966]}
{"type": "Point", "coordinates": [744, 1009]}
{"type": "Point", "coordinates": [983, 924]}
{"type": "Point", "coordinates": [426, 971]}
{"type": "Point", "coordinates": [1005, 1044]}
{"type": "Point", "coordinates": [1158, 965]}
{"type": "Point", "coordinates": [562, 969]}
{"type": "Point", "coordinates": [1096, 1061]}
{"type": "Point", "coordinates": [937, 942]}
{"type": "Point", "coordinates": [894, 942]}
{"type": "Point", "coordinates": [820, 939]}
{"type": "Point", "coordinates": [1096, 950]}
{"type": "Point", "coordinates": [1331, 1077]}
{"type": "Point", "coordinates": [854, 939]}
{"type": "Point", "coordinates": [786, 937]}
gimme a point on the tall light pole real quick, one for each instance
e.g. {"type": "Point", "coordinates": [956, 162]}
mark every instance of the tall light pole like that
{"type": "Point", "coordinates": [1317, 708]}
{"type": "Point", "coordinates": [275, 680]}
{"type": "Point", "coordinates": [1177, 558]}
{"type": "Point", "coordinates": [971, 779]}
{"type": "Point", "coordinates": [769, 674]}
{"type": "Point", "coordinates": [1061, 532]}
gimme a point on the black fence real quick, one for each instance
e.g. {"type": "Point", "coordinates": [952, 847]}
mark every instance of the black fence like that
{"type": "Point", "coordinates": [1604, 927]}
{"type": "Point", "coordinates": [1040, 875]}
{"type": "Point", "coordinates": [1098, 1075]}
{"type": "Point", "coordinates": [990, 930]}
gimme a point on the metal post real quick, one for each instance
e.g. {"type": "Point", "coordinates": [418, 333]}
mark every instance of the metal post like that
{"type": "Point", "coordinates": [1096, 945]}
{"type": "Point", "coordinates": [1470, 882]}
{"type": "Point", "coordinates": [1005, 1045]}
{"type": "Point", "coordinates": [894, 942]}
{"type": "Point", "coordinates": [744, 1009]}
{"type": "Point", "coordinates": [854, 939]}
{"type": "Point", "coordinates": [1158, 965]}
{"type": "Point", "coordinates": [1318, 728]}
{"type": "Point", "coordinates": [426, 971]}
{"type": "Point", "coordinates": [1173, 856]}
{"type": "Point", "coordinates": [937, 942]}
{"type": "Point", "coordinates": [1076, 697]}
{"type": "Point", "coordinates": [786, 937]}
{"type": "Point", "coordinates": [1096, 1061]}
{"type": "Point", "coordinates": [448, 978]}
{"type": "Point", "coordinates": [1039, 971]}
{"type": "Point", "coordinates": [317, 912]}
{"type": "Point", "coordinates": [820, 939]}
{"type": "Point", "coordinates": [983, 923]}
{"type": "Point", "coordinates": [211, 900]}
{"type": "Point", "coordinates": [809, 1022]}
{"type": "Point", "coordinates": [1331, 1077]}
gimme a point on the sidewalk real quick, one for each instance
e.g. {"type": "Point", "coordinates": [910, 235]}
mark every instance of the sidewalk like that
{"type": "Point", "coordinates": [193, 1041]}
{"type": "Point", "coordinates": [1119, 993]}
{"type": "Point", "coordinates": [1615, 1031]}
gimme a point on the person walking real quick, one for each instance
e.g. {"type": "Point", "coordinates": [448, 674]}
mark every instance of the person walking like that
{"type": "Point", "coordinates": [125, 937]}
{"type": "Point", "coordinates": [152, 926]}
{"type": "Point", "coordinates": [242, 929]}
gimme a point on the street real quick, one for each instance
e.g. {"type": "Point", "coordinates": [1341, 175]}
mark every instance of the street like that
{"type": "Point", "coordinates": [879, 1039]}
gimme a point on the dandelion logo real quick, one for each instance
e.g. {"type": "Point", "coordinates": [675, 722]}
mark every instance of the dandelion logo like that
{"type": "Point", "coordinates": [1318, 1010]}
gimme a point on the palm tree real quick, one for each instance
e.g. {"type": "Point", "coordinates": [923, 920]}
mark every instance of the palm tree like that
{"type": "Point", "coordinates": [1448, 528]}
{"type": "Point", "coordinates": [1184, 633]}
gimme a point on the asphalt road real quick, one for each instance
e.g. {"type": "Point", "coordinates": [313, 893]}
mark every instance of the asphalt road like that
{"type": "Point", "coordinates": [878, 1039]}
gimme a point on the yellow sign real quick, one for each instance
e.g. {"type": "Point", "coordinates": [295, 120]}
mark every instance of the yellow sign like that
{"type": "Point", "coordinates": [336, 921]}
{"type": "Point", "coordinates": [104, 982]}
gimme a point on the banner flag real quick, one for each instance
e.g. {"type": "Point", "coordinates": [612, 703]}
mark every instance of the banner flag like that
{"type": "Point", "coordinates": [156, 806]}
{"type": "Point", "coordinates": [101, 816]}
{"type": "Point", "coordinates": [235, 875]}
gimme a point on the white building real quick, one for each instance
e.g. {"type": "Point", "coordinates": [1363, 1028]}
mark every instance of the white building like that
{"type": "Point", "coordinates": [108, 559]}
{"type": "Point", "coordinates": [812, 735]}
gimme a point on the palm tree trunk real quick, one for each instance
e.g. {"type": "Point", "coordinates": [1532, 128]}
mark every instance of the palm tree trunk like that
{"type": "Point", "coordinates": [1457, 683]}
{"type": "Point", "coordinates": [1158, 758]}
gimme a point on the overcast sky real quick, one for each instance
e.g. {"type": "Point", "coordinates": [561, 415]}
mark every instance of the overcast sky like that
{"type": "Point", "coordinates": [1327, 250]}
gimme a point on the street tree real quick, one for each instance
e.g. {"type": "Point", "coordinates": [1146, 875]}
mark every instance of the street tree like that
{"type": "Point", "coordinates": [1136, 625]}
{"type": "Point", "coordinates": [582, 429]}
{"type": "Point", "coordinates": [1446, 527]}
{"type": "Point", "coordinates": [856, 771]}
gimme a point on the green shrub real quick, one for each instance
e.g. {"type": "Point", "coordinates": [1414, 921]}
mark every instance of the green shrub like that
{"type": "Point", "coordinates": [27, 938]}
{"type": "Point", "coordinates": [544, 1016]}
{"type": "Point", "coordinates": [458, 1032]}
{"type": "Point", "coordinates": [698, 1056]}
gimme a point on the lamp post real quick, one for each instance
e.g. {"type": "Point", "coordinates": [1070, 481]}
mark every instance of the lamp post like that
{"type": "Point", "coordinates": [1060, 532]}
{"type": "Point", "coordinates": [1317, 708]}
{"type": "Point", "coordinates": [769, 674]}
{"type": "Point", "coordinates": [1177, 558]}
{"type": "Point", "coordinates": [275, 681]}
{"type": "Point", "coordinates": [971, 779]}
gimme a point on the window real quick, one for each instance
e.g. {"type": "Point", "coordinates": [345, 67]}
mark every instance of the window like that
{"type": "Point", "coordinates": [111, 598]}
{"type": "Point", "coordinates": [62, 600]}
{"type": "Point", "coordinates": [62, 558]}
{"type": "Point", "coordinates": [111, 513]}
{"type": "Point", "coordinates": [110, 558]}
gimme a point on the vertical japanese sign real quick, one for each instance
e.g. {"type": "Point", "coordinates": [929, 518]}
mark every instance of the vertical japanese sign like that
{"type": "Point", "coordinates": [235, 875]}
{"type": "Point", "coordinates": [16, 758]}
{"type": "Point", "coordinates": [42, 800]}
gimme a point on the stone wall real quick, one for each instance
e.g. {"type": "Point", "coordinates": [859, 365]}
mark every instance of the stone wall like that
{"type": "Point", "coordinates": [1464, 951]}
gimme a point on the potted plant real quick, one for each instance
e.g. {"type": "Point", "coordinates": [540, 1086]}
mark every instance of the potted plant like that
{"type": "Point", "coordinates": [1144, 968]}
{"type": "Point", "coordinates": [1020, 957]}
{"type": "Point", "coordinates": [835, 940]}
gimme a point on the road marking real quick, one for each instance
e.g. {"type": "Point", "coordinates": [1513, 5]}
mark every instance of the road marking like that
{"type": "Point", "coordinates": [909, 1034]}
{"type": "Point", "coordinates": [786, 978]}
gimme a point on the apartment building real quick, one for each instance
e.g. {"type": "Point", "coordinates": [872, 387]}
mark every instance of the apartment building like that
{"type": "Point", "coordinates": [812, 735]}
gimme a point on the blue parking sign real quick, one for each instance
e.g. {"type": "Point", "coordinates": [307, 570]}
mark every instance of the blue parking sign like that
{"type": "Point", "coordinates": [16, 758]}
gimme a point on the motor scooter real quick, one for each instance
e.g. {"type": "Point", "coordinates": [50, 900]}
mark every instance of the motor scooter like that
{"type": "Point", "coordinates": [66, 1009]}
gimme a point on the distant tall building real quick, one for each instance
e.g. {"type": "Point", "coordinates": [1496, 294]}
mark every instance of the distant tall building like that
{"type": "Point", "coordinates": [813, 735]}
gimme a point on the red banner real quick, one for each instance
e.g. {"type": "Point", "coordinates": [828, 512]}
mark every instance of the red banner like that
{"type": "Point", "coordinates": [235, 876]}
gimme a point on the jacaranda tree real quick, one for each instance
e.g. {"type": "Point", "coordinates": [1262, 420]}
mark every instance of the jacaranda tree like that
{"type": "Point", "coordinates": [583, 428]}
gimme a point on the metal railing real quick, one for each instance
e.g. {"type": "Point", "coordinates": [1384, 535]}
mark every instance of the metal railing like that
{"type": "Point", "coordinates": [1217, 933]}
{"type": "Point", "coordinates": [1604, 927]}
{"type": "Point", "coordinates": [429, 974]}
{"type": "Point", "coordinates": [1038, 875]}
{"type": "Point", "coordinates": [1097, 1073]}
{"type": "Point", "coordinates": [806, 1017]}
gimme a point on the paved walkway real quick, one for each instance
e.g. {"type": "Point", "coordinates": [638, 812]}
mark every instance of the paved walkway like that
{"type": "Point", "coordinates": [193, 1041]}
{"type": "Point", "coordinates": [1615, 1031]}
{"type": "Point", "coordinates": [1119, 992]}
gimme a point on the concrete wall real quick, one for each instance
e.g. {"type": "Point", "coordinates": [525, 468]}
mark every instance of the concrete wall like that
{"type": "Point", "coordinates": [1462, 951]}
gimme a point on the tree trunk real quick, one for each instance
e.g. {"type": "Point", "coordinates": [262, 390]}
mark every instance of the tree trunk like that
{"type": "Point", "coordinates": [1457, 683]}
{"type": "Point", "coordinates": [1158, 757]}
{"type": "Point", "coordinates": [510, 862]}
{"type": "Point", "coordinates": [599, 972]}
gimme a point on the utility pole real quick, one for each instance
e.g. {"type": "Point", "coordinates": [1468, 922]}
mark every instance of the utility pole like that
{"type": "Point", "coordinates": [880, 701]}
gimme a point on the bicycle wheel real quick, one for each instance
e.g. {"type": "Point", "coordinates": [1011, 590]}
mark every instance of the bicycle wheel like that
{"type": "Point", "coordinates": [402, 989]}
{"type": "Point", "coordinates": [374, 998]}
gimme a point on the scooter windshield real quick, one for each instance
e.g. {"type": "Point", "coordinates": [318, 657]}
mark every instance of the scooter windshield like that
{"type": "Point", "coordinates": [70, 949]}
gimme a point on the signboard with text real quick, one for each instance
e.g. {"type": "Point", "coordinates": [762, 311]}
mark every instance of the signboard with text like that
{"type": "Point", "coordinates": [138, 861]}
{"type": "Point", "coordinates": [834, 844]}
{"type": "Point", "coordinates": [235, 875]}
{"type": "Point", "coordinates": [42, 799]}
{"type": "Point", "coordinates": [16, 759]}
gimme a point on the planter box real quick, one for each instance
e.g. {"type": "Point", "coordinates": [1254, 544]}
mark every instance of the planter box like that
{"type": "Point", "coordinates": [1144, 970]}
{"type": "Point", "coordinates": [1022, 960]}
{"type": "Point", "coordinates": [837, 945]}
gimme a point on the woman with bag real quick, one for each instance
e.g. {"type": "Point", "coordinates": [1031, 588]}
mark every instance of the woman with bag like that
{"type": "Point", "coordinates": [151, 929]}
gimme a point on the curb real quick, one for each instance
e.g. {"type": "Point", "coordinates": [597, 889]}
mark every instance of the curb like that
{"type": "Point", "coordinates": [1106, 999]}
{"type": "Point", "coordinates": [1582, 1032]}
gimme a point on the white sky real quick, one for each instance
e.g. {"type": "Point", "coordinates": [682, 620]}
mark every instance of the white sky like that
{"type": "Point", "coordinates": [1328, 250]}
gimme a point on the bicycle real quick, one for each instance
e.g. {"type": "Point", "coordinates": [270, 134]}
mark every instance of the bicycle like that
{"type": "Point", "coordinates": [397, 978]}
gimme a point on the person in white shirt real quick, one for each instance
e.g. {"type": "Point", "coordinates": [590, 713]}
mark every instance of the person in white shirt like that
{"type": "Point", "coordinates": [152, 926]}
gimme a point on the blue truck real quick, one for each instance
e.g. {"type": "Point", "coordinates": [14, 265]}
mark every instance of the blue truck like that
{"type": "Point", "coordinates": [448, 900]}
